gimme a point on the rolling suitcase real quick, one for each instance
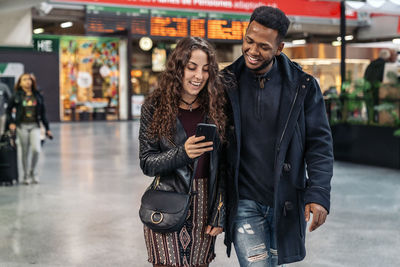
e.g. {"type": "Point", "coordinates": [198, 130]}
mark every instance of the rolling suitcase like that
{"type": "Point", "coordinates": [8, 160]}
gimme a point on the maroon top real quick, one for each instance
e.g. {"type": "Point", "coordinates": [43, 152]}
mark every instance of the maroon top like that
{"type": "Point", "coordinates": [189, 120]}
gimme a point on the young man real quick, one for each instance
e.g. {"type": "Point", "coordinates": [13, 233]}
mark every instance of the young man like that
{"type": "Point", "coordinates": [279, 129]}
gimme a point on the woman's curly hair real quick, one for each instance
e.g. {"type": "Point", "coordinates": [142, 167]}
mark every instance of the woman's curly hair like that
{"type": "Point", "coordinates": [165, 99]}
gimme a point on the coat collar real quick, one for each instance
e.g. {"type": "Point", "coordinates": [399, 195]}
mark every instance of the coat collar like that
{"type": "Point", "coordinates": [292, 90]}
{"type": "Point", "coordinates": [290, 71]}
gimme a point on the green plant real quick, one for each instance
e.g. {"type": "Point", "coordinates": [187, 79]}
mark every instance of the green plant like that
{"type": "Point", "coordinates": [358, 95]}
{"type": "Point", "coordinates": [390, 108]}
{"type": "Point", "coordinates": [352, 98]}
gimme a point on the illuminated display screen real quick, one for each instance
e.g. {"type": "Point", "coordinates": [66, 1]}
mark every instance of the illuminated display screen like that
{"type": "Point", "coordinates": [198, 28]}
{"type": "Point", "coordinates": [226, 27]}
{"type": "Point", "coordinates": [139, 26]}
{"type": "Point", "coordinates": [113, 19]}
{"type": "Point", "coordinates": [169, 27]}
{"type": "Point", "coordinates": [166, 23]}
{"type": "Point", "coordinates": [95, 24]}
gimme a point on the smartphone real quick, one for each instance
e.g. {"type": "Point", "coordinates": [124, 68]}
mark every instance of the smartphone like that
{"type": "Point", "coordinates": [207, 130]}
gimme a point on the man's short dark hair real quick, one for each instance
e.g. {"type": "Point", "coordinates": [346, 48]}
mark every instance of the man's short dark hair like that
{"type": "Point", "coordinates": [272, 18]}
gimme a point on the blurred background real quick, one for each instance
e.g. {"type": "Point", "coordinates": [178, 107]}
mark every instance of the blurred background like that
{"type": "Point", "coordinates": [97, 60]}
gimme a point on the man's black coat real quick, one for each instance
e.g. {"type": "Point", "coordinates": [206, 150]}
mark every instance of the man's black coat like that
{"type": "Point", "coordinates": [304, 143]}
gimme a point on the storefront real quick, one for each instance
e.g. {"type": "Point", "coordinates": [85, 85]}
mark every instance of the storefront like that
{"type": "Point", "coordinates": [323, 62]}
{"type": "Point", "coordinates": [89, 78]}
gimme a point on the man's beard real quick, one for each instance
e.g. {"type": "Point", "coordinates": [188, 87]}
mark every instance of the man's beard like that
{"type": "Point", "coordinates": [263, 66]}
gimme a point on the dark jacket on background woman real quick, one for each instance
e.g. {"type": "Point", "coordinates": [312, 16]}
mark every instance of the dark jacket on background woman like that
{"type": "Point", "coordinates": [16, 102]}
{"type": "Point", "coordinates": [167, 159]}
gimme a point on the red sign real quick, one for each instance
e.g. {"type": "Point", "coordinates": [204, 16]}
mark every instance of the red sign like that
{"type": "Point", "coordinates": [305, 8]}
{"type": "Point", "coordinates": [398, 26]}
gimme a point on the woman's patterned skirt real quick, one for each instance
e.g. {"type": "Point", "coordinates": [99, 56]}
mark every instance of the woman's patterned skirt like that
{"type": "Point", "coordinates": [190, 246]}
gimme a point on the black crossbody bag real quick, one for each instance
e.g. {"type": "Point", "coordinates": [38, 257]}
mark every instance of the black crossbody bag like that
{"type": "Point", "coordinates": [165, 211]}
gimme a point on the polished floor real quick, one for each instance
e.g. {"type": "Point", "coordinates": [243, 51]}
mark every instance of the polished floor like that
{"type": "Point", "coordinates": [85, 210]}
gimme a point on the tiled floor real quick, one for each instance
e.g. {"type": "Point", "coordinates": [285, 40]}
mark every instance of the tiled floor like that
{"type": "Point", "coordinates": [84, 211]}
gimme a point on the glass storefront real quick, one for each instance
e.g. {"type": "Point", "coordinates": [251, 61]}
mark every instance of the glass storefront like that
{"type": "Point", "coordinates": [89, 78]}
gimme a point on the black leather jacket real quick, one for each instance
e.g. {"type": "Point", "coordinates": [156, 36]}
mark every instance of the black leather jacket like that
{"type": "Point", "coordinates": [167, 160]}
{"type": "Point", "coordinates": [16, 102]}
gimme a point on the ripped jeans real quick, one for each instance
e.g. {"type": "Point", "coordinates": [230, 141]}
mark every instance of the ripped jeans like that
{"type": "Point", "coordinates": [254, 235]}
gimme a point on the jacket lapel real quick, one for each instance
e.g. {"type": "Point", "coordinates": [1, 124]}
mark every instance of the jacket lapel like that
{"type": "Point", "coordinates": [292, 97]}
{"type": "Point", "coordinates": [180, 135]}
{"type": "Point", "coordinates": [287, 121]}
{"type": "Point", "coordinates": [233, 94]}
{"type": "Point", "coordinates": [286, 101]}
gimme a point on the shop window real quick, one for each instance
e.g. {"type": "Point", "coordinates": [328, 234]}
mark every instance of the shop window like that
{"type": "Point", "coordinates": [89, 78]}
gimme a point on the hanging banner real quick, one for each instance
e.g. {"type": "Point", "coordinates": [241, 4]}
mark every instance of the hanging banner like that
{"type": "Point", "coordinates": [304, 8]}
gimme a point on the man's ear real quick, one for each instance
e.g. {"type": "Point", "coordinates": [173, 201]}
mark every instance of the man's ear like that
{"type": "Point", "coordinates": [280, 48]}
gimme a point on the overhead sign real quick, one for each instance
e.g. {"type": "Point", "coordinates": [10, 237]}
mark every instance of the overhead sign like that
{"type": "Point", "coordinates": [169, 23]}
{"type": "Point", "coordinates": [226, 26]}
{"type": "Point", "coordinates": [166, 23]}
{"type": "Point", "coordinates": [108, 19]}
{"type": "Point", "coordinates": [308, 8]}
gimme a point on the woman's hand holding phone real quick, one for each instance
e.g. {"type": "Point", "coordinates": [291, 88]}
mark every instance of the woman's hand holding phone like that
{"type": "Point", "coordinates": [195, 147]}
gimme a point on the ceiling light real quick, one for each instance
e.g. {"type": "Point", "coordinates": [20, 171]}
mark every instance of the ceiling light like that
{"type": "Point", "coordinates": [38, 30]}
{"type": "Point", "coordinates": [299, 42]}
{"type": "Point", "coordinates": [336, 43]}
{"type": "Point", "coordinates": [396, 41]}
{"type": "Point", "coordinates": [349, 37]}
{"type": "Point", "coordinates": [66, 24]}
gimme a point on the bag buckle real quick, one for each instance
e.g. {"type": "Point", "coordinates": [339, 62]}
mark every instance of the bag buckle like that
{"type": "Point", "coordinates": [154, 220]}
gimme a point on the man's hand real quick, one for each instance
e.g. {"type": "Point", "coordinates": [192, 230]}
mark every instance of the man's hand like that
{"type": "Point", "coordinates": [319, 215]}
{"type": "Point", "coordinates": [213, 231]}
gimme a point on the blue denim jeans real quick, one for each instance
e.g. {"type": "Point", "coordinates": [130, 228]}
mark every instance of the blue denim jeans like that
{"type": "Point", "coordinates": [254, 235]}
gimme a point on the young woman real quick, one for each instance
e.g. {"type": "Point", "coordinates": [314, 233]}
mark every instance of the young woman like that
{"type": "Point", "coordinates": [190, 92]}
{"type": "Point", "coordinates": [28, 105]}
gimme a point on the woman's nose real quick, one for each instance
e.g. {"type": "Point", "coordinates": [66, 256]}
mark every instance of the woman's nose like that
{"type": "Point", "coordinates": [199, 75]}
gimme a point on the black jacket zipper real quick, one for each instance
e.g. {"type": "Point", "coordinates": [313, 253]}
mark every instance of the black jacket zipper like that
{"type": "Point", "coordinates": [287, 121]}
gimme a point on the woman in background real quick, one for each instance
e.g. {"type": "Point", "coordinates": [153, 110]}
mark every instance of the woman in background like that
{"type": "Point", "coordinates": [28, 105]}
{"type": "Point", "coordinates": [190, 92]}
